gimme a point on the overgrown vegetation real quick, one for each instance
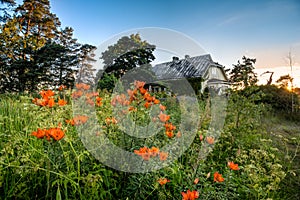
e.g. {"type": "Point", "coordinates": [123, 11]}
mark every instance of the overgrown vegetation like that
{"type": "Point", "coordinates": [31, 168]}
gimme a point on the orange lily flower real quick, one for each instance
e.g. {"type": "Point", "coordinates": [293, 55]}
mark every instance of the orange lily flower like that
{"type": "Point", "coordinates": [170, 127]}
{"type": "Point", "coordinates": [162, 108]}
{"type": "Point", "coordinates": [62, 87]}
{"type": "Point", "coordinates": [89, 102]}
{"type": "Point", "coordinates": [210, 140]}
{"type": "Point", "coordinates": [218, 177]}
{"type": "Point", "coordinates": [51, 103]}
{"type": "Point", "coordinates": [147, 104]}
{"type": "Point", "coordinates": [156, 101]}
{"type": "Point", "coordinates": [62, 102]}
{"type": "Point", "coordinates": [190, 195]}
{"type": "Point", "coordinates": [163, 156]}
{"type": "Point", "coordinates": [139, 84]}
{"type": "Point", "coordinates": [163, 181]}
{"type": "Point", "coordinates": [163, 117]}
{"type": "Point", "coordinates": [142, 90]}
{"type": "Point", "coordinates": [233, 166]}
{"type": "Point", "coordinates": [77, 94]}
{"type": "Point", "coordinates": [154, 151]}
{"type": "Point", "coordinates": [83, 86]}
{"type": "Point", "coordinates": [170, 134]}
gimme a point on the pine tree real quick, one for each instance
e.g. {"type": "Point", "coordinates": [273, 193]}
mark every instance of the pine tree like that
{"type": "Point", "coordinates": [242, 74]}
{"type": "Point", "coordinates": [86, 71]}
{"type": "Point", "coordinates": [28, 30]}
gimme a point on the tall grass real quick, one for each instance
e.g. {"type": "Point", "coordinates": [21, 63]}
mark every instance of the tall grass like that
{"type": "Point", "coordinates": [32, 168]}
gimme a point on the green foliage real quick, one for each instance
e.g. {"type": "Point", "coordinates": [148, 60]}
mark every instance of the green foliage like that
{"type": "Point", "coordinates": [86, 71]}
{"type": "Point", "coordinates": [126, 54]}
{"type": "Point", "coordinates": [284, 81]}
{"type": "Point", "coordinates": [279, 99]}
{"type": "Point", "coordinates": [34, 53]}
{"type": "Point", "coordinates": [32, 168]}
{"type": "Point", "coordinates": [196, 84]}
{"type": "Point", "coordinates": [242, 74]}
{"type": "Point", "coordinates": [108, 82]}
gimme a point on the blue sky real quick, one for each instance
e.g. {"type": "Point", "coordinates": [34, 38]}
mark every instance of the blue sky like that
{"type": "Point", "coordinates": [263, 29]}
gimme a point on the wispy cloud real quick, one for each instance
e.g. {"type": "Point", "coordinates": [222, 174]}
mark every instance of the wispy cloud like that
{"type": "Point", "coordinates": [230, 20]}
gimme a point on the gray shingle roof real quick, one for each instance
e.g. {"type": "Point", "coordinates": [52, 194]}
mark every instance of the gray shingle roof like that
{"type": "Point", "coordinates": [184, 68]}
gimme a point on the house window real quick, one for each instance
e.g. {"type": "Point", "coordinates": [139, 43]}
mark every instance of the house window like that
{"type": "Point", "coordinates": [213, 71]}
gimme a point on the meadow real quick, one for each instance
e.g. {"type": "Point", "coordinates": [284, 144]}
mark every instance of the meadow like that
{"type": "Point", "coordinates": [44, 152]}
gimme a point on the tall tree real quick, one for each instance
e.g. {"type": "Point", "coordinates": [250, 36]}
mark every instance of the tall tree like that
{"type": "Point", "coordinates": [285, 81]}
{"type": "Point", "coordinates": [86, 71]}
{"type": "Point", "coordinates": [21, 36]}
{"type": "Point", "coordinates": [127, 54]}
{"type": "Point", "coordinates": [242, 75]}
{"type": "Point", "coordinates": [65, 69]}
{"type": "Point", "coordinates": [33, 51]}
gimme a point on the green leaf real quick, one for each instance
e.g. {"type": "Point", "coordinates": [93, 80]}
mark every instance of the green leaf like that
{"type": "Point", "coordinates": [58, 195]}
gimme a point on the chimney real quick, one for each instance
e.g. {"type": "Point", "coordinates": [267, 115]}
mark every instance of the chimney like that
{"type": "Point", "coordinates": [175, 59]}
{"type": "Point", "coordinates": [187, 57]}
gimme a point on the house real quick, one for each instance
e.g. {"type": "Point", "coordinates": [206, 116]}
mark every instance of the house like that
{"type": "Point", "coordinates": [201, 72]}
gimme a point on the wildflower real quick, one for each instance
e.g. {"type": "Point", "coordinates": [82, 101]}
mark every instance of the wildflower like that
{"type": "Point", "coordinates": [170, 134]}
{"type": "Point", "coordinates": [144, 152]}
{"type": "Point", "coordinates": [146, 156]}
{"type": "Point", "coordinates": [163, 117]}
{"type": "Point", "coordinates": [46, 94]}
{"type": "Point", "coordinates": [156, 101]}
{"type": "Point", "coordinates": [141, 150]}
{"type": "Point", "coordinates": [169, 127]}
{"type": "Point", "coordinates": [55, 133]}
{"type": "Point", "coordinates": [196, 181]}
{"type": "Point", "coordinates": [51, 102]}
{"type": "Point", "coordinates": [82, 86]}
{"type": "Point", "coordinates": [89, 101]}
{"type": "Point", "coordinates": [46, 99]}
{"type": "Point", "coordinates": [62, 102]}
{"type": "Point", "coordinates": [147, 104]}
{"type": "Point", "coordinates": [142, 91]}
{"type": "Point", "coordinates": [218, 177]}
{"type": "Point", "coordinates": [201, 137]}
{"type": "Point", "coordinates": [139, 84]}
{"type": "Point", "coordinates": [163, 181]}
{"type": "Point", "coordinates": [62, 87]}
{"type": "Point", "coordinates": [162, 108]}
{"type": "Point", "coordinates": [39, 133]}
{"type": "Point", "coordinates": [178, 135]}
{"type": "Point", "coordinates": [77, 120]}
{"type": "Point", "coordinates": [98, 101]}
{"type": "Point", "coordinates": [163, 156]}
{"type": "Point", "coordinates": [77, 94]}
{"type": "Point", "coordinates": [114, 120]}
{"type": "Point", "coordinates": [190, 195]}
{"type": "Point", "coordinates": [150, 98]}
{"type": "Point", "coordinates": [91, 94]}
{"type": "Point", "coordinates": [233, 166]}
{"type": "Point", "coordinates": [132, 108]}
{"type": "Point", "coordinates": [210, 140]}
{"type": "Point", "coordinates": [154, 151]}
{"type": "Point", "coordinates": [132, 94]}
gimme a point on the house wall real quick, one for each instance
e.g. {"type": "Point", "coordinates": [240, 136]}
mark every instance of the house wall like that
{"type": "Point", "coordinates": [216, 72]}
{"type": "Point", "coordinates": [213, 73]}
